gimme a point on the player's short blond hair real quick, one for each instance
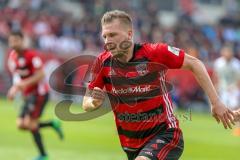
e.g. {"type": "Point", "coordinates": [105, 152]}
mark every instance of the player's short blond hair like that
{"type": "Point", "coordinates": [123, 17]}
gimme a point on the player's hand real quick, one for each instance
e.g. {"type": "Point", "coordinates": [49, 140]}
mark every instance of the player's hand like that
{"type": "Point", "coordinates": [222, 114]}
{"type": "Point", "coordinates": [12, 92]}
{"type": "Point", "coordinates": [21, 85]}
{"type": "Point", "coordinates": [236, 115]}
{"type": "Point", "coordinates": [98, 96]}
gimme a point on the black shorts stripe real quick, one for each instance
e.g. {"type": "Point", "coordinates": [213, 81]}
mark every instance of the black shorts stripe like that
{"type": "Point", "coordinates": [176, 152]}
{"type": "Point", "coordinates": [143, 133]}
{"type": "Point", "coordinates": [33, 105]}
{"type": "Point", "coordinates": [170, 143]}
{"type": "Point", "coordinates": [175, 145]}
{"type": "Point", "coordinates": [39, 106]}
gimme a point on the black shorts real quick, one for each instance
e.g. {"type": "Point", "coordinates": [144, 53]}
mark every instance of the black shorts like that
{"type": "Point", "coordinates": [34, 105]}
{"type": "Point", "coordinates": [167, 145]}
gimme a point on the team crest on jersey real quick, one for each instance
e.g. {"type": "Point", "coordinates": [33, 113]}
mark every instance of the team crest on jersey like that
{"type": "Point", "coordinates": [174, 50]}
{"type": "Point", "coordinates": [142, 69]}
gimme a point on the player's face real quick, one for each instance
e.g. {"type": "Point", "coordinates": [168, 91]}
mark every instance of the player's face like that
{"type": "Point", "coordinates": [227, 53]}
{"type": "Point", "coordinates": [15, 42]}
{"type": "Point", "coordinates": [115, 33]}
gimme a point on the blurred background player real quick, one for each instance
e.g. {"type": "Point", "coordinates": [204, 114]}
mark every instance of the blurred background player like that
{"type": "Point", "coordinates": [227, 73]}
{"type": "Point", "coordinates": [27, 70]}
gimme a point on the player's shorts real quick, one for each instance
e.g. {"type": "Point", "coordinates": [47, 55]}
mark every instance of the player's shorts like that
{"type": "Point", "coordinates": [34, 105]}
{"type": "Point", "coordinates": [166, 145]}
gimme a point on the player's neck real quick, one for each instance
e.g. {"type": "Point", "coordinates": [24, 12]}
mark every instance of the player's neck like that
{"type": "Point", "coordinates": [128, 56]}
{"type": "Point", "coordinates": [19, 52]}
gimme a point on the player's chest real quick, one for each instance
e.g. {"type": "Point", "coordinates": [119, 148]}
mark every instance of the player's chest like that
{"type": "Point", "coordinates": [133, 79]}
{"type": "Point", "coordinates": [22, 67]}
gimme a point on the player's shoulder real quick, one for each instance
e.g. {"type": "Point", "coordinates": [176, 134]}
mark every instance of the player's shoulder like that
{"type": "Point", "coordinates": [220, 61]}
{"type": "Point", "coordinates": [153, 46]}
{"type": "Point", "coordinates": [236, 62]}
{"type": "Point", "coordinates": [152, 50]}
{"type": "Point", "coordinates": [103, 56]}
{"type": "Point", "coordinates": [12, 55]}
{"type": "Point", "coordinates": [156, 48]}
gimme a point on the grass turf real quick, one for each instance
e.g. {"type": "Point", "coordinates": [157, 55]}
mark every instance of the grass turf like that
{"type": "Point", "coordinates": [97, 139]}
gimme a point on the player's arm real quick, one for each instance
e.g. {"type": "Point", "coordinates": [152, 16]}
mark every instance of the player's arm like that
{"type": "Point", "coordinates": [219, 110]}
{"type": "Point", "coordinates": [16, 78]}
{"type": "Point", "coordinates": [94, 96]}
{"type": "Point", "coordinates": [14, 89]}
{"type": "Point", "coordinates": [93, 99]}
{"type": "Point", "coordinates": [22, 84]}
{"type": "Point", "coordinates": [32, 80]}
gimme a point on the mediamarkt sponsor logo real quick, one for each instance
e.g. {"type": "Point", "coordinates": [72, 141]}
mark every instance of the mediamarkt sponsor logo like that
{"type": "Point", "coordinates": [131, 90]}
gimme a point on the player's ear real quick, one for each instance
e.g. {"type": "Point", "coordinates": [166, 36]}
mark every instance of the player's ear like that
{"type": "Point", "coordinates": [130, 35]}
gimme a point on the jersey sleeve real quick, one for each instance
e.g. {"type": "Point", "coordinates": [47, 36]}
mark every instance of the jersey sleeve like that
{"type": "Point", "coordinates": [36, 62]}
{"type": "Point", "coordinates": [169, 56]}
{"type": "Point", "coordinates": [96, 78]}
{"type": "Point", "coordinates": [34, 59]}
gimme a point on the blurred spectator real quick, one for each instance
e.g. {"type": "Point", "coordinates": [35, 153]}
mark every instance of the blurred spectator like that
{"type": "Point", "coordinates": [50, 29]}
{"type": "Point", "coordinates": [227, 71]}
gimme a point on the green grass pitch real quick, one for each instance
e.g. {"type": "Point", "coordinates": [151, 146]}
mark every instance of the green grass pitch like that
{"type": "Point", "coordinates": [97, 139]}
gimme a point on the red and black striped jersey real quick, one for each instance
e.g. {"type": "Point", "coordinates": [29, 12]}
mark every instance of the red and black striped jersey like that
{"type": "Point", "coordinates": [138, 92]}
{"type": "Point", "coordinates": [25, 66]}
